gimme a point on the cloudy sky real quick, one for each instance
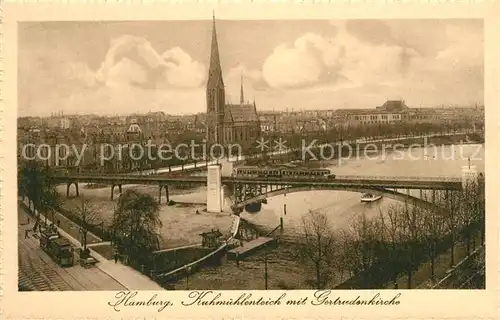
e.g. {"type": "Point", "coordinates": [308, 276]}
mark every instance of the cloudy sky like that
{"type": "Point", "coordinates": [125, 67]}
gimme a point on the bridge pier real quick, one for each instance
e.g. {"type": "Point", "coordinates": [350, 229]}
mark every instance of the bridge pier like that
{"type": "Point", "coordinates": [214, 192]}
{"type": "Point", "coordinates": [469, 175]}
{"type": "Point", "coordinates": [166, 193]}
{"type": "Point", "coordinates": [68, 185]}
{"type": "Point", "coordinates": [113, 190]}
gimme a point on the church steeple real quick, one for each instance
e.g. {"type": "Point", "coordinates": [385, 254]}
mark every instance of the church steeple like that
{"type": "Point", "coordinates": [215, 70]}
{"type": "Point", "coordinates": [216, 97]}
{"type": "Point", "coordinates": [242, 96]}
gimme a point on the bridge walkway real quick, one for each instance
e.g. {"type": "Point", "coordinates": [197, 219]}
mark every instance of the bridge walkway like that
{"type": "Point", "coordinates": [249, 247]}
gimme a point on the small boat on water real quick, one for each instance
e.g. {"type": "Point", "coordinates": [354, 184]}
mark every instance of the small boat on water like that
{"type": "Point", "coordinates": [369, 197]}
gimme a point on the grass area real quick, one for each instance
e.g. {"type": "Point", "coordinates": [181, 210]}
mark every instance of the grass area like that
{"type": "Point", "coordinates": [104, 250]}
{"type": "Point", "coordinates": [421, 278]}
{"type": "Point", "coordinates": [181, 225]}
{"type": "Point", "coordinates": [283, 273]}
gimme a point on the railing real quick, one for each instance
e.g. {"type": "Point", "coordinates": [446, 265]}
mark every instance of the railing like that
{"type": "Point", "coordinates": [347, 178]}
{"type": "Point", "coordinates": [272, 231]}
{"type": "Point", "coordinates": [126, 177]}
{"type": "Point", "coordinates": [400, 178]}
{"type": "Point", "coordinates": [186, 268]}
{"type": "Point", "coordinates": [274, 179]}
{"type": "Point", "coordinates": [454, 274]}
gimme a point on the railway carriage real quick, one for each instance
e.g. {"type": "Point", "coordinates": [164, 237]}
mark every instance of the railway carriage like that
{"type": "Point", "coordinates": [283, 172]}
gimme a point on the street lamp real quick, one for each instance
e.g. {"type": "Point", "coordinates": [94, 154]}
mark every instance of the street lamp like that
{"type": "Point", "coordinates": [188, 271]}
{"type": "Point", "coordinates": [265, 271]}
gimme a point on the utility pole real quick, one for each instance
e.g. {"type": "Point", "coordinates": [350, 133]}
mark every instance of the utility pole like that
{"type": "Point", "coordinates": [188, 271]}
{"type": "Point", "coordinates": [265, 270]}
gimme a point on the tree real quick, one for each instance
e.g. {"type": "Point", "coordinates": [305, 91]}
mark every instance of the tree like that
{"type": "Point", "coordinates": [434, 225]}
{"type": "Point", "coordinates": [471, 213]}
{"type": "Point", "coordinates": [412, 235]}
{"type": "Point", "coordinates": [364, 241]}
{"type": "Point", "coordinates": [481, 203]}
{"type": "Point", "coordinates": [87, 217]}
{"type": "Point", "coordinates": [34, 183]}
{"type": "Point", "coordinates": [316, 245]}
{"type": "Point", "coordinates": [136, 223]}
{"type": "Point", "coordinates": [452, 204]}
{"type": "Point", "coordinates": [392, 226]}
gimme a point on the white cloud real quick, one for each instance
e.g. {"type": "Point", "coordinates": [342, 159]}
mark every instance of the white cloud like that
{"type": "Point", "coordinates": [182, 70]}
{"type": "Point", "coordinates": [341, 60]}
{"type": "Point", "coordinates": [362, 73]}
{"type": "Point", "coordinates": [125, 73]}
{"type": "Point", "coordinates": [304, 63]}
{"type": "Point", "coordinates": [133, 61]}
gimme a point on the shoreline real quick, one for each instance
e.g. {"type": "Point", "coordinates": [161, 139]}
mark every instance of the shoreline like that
{"type": "Point", "coordinates": [185, 202]}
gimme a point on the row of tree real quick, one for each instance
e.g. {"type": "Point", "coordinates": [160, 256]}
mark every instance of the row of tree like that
{"type": "Point", "coordinates": [34, 184]}
{"type": "Point", "coordinates": [375, 251]}
{"type": "Point", "coordinates": [135, 225]}
{"type": "Point", "coordinates": [374, 131]}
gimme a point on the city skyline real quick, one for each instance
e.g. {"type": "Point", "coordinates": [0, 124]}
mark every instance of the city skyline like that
{"type": "Point", "coordinates": [107, 68]}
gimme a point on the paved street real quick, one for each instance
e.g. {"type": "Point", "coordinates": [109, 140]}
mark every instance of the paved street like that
{"type": "Point", "coordinates": [123, 276]}
{"type": "Point", "coordinates": [37, 271]}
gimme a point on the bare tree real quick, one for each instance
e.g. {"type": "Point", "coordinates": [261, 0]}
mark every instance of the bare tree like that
{"type": "Point", "coordinates": [346, 254]}
{"type": "Point", "coordinates": [434, 225]}
{"type": "Point", "coordinates": [412, 229]}
{"type": "Point", "coordinates": [451, 202]}
{"type": "Point", "coordinates": [481, 202]}
{"type": "Point", "coordinates": [87, 217]}
{"type": "Point", "coordinates": [471, 214]}
{"type": "Point", "coordinates": [364, 237]}
{"type": "Point", "coordinates": [316, 245]}
{"type": "Point", "coordinates": [392, 226]}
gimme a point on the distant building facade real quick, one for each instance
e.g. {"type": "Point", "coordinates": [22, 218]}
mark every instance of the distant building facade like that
{"type": "Point", "coordinates": [65, 123]}
{"type": "Point", "coordinates": [396, 111]}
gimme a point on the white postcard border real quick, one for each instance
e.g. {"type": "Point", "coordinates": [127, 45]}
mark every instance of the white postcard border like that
{"type": "Point", "coordinates": [414, 303]}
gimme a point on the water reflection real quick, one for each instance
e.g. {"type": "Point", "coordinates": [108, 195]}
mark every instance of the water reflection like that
{"type": "Point", "coordinates": [341, 206]}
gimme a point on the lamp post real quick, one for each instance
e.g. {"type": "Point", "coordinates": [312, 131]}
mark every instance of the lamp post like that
{"type": "Point", "coordinates": [188, 271]}
{"type": "Point", "coordinates": [265, 271]}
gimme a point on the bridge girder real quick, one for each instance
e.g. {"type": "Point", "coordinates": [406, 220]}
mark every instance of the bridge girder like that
{"type": "Point", "coordinates": [241, 201]}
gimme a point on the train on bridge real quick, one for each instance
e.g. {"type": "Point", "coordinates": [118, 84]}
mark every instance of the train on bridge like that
{"type": "Point", "coordinates": [283, 172]}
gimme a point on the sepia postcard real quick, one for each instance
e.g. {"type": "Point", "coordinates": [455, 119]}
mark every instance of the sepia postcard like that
{"type": "Point", "coordinates": [292, 161]}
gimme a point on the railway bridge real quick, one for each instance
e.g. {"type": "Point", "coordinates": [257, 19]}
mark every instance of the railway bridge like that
{"type": "Point", "coordinates": [247, 192]}
{"type": "Point", "coordinates": [243, 191]}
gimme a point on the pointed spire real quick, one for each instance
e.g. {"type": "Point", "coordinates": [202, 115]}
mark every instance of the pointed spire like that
{"type": "Point", "coordinates": [215, 70]}
{"type": "Point", "coordinates": [242, 97]}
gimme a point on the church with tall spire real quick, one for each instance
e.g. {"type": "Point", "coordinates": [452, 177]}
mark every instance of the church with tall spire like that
{"type": "Point", "coordinates": [227, 123]}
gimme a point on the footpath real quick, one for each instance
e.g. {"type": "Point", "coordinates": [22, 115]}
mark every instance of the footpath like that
{"type": "Point", "coordinates": [128, 277]}
{"type": "Point", "coordinates": [39, 272]}
{"type": "Point", "coordinates": [421, 278]}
